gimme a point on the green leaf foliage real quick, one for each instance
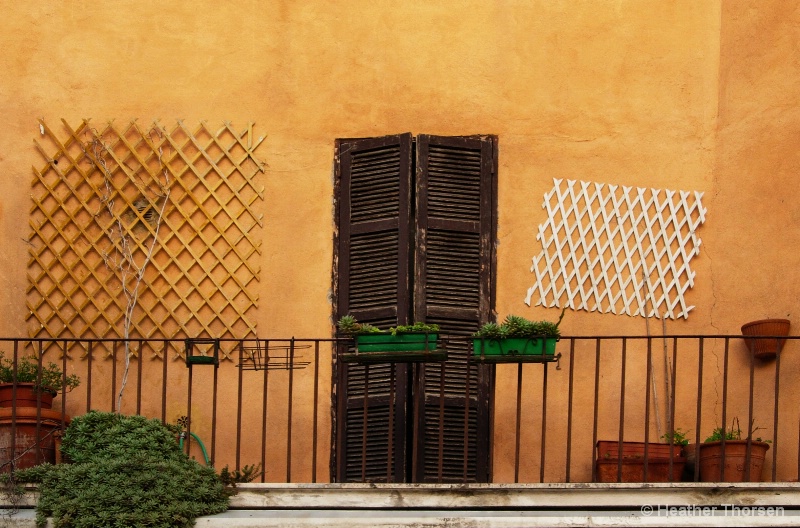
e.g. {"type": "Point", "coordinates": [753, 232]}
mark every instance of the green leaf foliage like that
{"type": "Point", "coordinates": [126, 471]}
{"type": "Point", "coordinates": [348, 325]}
{"type": "Point", "coordinates": [415, 328]}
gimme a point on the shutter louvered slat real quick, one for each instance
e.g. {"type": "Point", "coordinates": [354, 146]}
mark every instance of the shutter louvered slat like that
{"type": "Point", "coordinates": [453, 265]}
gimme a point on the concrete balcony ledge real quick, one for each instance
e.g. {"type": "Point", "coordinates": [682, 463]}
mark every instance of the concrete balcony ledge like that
{"type": "Point", "coordinates": [499, 505]}
{"type": "Point", "coordinates": [505, 496]}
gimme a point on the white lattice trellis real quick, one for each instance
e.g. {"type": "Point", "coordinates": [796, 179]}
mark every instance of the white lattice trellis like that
{"type": "Point", "coordinates": [617, 249]}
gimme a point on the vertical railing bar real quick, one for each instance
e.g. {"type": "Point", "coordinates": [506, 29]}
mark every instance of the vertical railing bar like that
{"type": "Point", "coordinates": [164, 362]}
{"type": "Point", "coordinates": [264, 398]}
{"type": "Point", "coordinates": [672, 374]}
{"type": "Point", "coordinates": [648, 394]}
{"type": "Point", "coordinates": [623, 369]}
{"type": "Point", "coordinates": [698, 417]}
{"type": "Point", "coordinates": [290, 416]}
{"type": "Point", "coordinates": [518, 423]}
{"type": "Point", "coordinates": [114, 375]}
{"type": "Point", "coordinates": [466, 420]}
{"type": "Point", "coordinates": [390, 443]}
{"type": "Point", "coordinates": [89, 353]}
{"type": "Point", "coordinates": [417, 404]}
{"type": "Point", "coordinates": [569, 405]}
{"type": "Point", "coordinates": [213, 446]}
{"type": "Point", "coordinates": [440, 454]}
{"type": "Point", "coordinates": [725, 367]}
{"type": "Point", "coordinates": [749, 447]}
{"type": "Point", "coordinates": [139, 378]}
{"type": "Point", "coordinates": [544, 422]}
{"type": "Point", "coordinates": [239, 404]}
{"type": "Point", "coordinates": [13, 454]}
{"type": "Point", "coordinates": [775, 416]}
{"type": "Point", "coordinates": [64, 383]}
{"type": "Point", "coordinates": [315, 417]}
{"type": "Point", "coordinates": [38, 451]}
{"type": "Point", "coordinates": [596, 405]}
{"type": "Point", "coordinates": [189, 403]}
{"type": "Point", "coordinates": [264, 401]}
{"type": "Point", "coordinates": [364, 417]}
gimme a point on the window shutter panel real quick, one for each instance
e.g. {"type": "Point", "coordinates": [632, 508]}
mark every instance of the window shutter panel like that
{"type": "Point", "coordinates": [454, 274]}
{"type": "Point", "coordinates": [373, 180]}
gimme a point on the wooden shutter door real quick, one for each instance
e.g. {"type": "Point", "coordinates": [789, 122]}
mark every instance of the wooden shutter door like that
{"type": "Point", "coordinates": [373, 186]}
{"type": "Point", "coordinates": [454, 270]}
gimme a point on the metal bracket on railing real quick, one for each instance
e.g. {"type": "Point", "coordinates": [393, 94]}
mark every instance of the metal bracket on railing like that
{"type": "Point", "coordinates": [266, 356]}
{"type": "Point", "coordinates": [192, 359]}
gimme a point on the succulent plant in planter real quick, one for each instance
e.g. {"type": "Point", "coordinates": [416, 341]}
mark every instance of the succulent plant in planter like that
{"type": "Point", "coordinates": [517, 339]}
{"type": "Point", "coordinates": [403, 343]}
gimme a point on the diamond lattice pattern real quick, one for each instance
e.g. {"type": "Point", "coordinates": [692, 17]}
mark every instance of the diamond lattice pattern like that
{"type": "Point", "coordinates": [617, 249]}
{"type": "Point", "coordinates": [201, 277]}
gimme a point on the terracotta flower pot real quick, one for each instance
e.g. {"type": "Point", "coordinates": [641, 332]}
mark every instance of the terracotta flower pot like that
{"type": "Point", "coordinates": [766, 348]}
{"type": "Point", "coordinates": [27, 396]}
{"type": "Point", "coordinates": [664, 462]}
{"type": "Point", "coordinates": [28, 437]}
{"type": "Point", "coordinates": [711, 463]}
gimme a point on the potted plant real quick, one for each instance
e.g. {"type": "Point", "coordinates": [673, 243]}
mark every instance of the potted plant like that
{"type": "Point", "coordinates": [766, 348]}
{"type": "Point", "coordinates": [625, 461]}
{"type": "Point", "coordinates": [402, 343]}
{"type": "Point", "coordinates": [517, 340]}
{"type": "Point", "coordinates": [35, 385]}
{"type": "Point", "coordinates": [723, 455]}
{"type": "Point", "coordinates": [28, 424]}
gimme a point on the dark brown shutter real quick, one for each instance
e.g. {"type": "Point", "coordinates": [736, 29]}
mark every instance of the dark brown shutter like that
{"type": "Point", "coordinates": [373, 186]}
{"type": "Point", "coordinates": [455, 226]}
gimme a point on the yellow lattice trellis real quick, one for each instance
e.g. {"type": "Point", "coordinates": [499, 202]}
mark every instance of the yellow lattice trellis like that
{"type": "Point", "coordinates": [101, 189]}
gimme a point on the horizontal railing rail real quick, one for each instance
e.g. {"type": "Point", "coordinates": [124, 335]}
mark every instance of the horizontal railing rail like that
{"type": "Point", "coordinates": [269, 403]}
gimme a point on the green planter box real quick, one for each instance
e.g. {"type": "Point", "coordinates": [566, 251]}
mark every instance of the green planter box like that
{"type": "Point", "coordinates": [383, 348]}
{"type": "Point", "coordinates": [515, 350]}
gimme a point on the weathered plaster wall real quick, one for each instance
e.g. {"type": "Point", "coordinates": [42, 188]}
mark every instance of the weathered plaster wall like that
{"type": "Point", "coordinates": [681, 95]}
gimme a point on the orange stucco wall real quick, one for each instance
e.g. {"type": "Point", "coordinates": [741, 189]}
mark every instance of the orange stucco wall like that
{"type": "Point", "coordinates": [681, 95]}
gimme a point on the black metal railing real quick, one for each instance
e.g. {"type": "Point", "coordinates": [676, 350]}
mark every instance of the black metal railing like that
{"type": "Point", "coordinates": [269, 402]}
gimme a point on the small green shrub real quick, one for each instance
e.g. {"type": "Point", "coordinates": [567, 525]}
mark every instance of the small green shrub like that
{"type": "Point", "coordinates": [676, 437]}
{"type": "Point", "coordinates": [126, 471]}
{"type": "Point", "coordinates": [248, 473]}
{"type": "Point", "coordinates": [733, 433]}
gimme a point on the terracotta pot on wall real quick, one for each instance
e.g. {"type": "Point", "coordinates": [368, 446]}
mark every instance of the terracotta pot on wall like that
{"type": "Point", "coordinates": [766, 348]}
